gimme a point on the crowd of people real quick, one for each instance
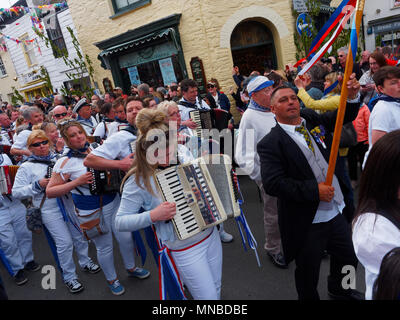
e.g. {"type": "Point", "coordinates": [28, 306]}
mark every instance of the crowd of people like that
{"type": "Point", "coordinates": [282, 142]}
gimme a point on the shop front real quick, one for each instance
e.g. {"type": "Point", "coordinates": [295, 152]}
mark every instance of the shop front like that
{"type": "Point", "coordinates": [386, 31]}
{"type": "Point", "coordinates": [151, 54]}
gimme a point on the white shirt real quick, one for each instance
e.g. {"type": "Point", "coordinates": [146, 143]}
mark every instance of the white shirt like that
{"type": "Point", "coordinates": [185, 111]}
{"type": "Point", "coordinates": [384, 117]}
{"type": "Point", "coordinates": [116, 146]}
{"type": "Point", "coordinates": [373, 237]}
{"type": "Point", "coordinates": [254, 126]}
{"type": "Point", "coordinates": [21, 139]}
{"type": "Point", "coordinates": [326, 210]}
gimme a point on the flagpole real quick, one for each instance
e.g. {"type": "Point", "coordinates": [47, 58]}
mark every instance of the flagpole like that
{"type": "Point", "coordinates": [343, 97]}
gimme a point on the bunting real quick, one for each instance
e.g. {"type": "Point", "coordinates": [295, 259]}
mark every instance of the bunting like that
{"type": "Point", "coordinates": [338, 19]}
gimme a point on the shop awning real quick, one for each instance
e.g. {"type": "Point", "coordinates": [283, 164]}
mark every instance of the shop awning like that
{"type": "Point", "coordinates": [137, 42]}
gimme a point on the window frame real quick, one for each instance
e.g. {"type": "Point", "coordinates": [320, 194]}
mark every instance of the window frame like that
{"type": "Point", "coordinates": [120, 11]}
{"type": "Point", "coordinates": [28, 59]}
{"type": "Point", "coordinates": [54, 41]}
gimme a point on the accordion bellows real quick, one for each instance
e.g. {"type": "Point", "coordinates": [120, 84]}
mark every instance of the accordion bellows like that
{"type": "Point", "coordinates": [203, 191]}
{"type": "Point", "coordinates": [7, 177]}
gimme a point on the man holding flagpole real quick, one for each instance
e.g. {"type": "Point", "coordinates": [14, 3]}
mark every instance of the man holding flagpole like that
{"type": "Point", "coordinates": [294, 163]}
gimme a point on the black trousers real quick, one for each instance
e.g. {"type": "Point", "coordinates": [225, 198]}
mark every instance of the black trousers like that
{"type": "Point", "coordinates": [356, 156]}
{"type": "Point", "coordinates": [335, 237]}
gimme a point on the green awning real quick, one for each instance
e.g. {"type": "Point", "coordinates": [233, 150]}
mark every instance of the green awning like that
{"type": "Point", "coordinates": [137, 42]}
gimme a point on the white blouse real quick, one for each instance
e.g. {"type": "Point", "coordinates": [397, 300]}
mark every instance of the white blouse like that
{"type": "Point", "coordinates": [373, 237]}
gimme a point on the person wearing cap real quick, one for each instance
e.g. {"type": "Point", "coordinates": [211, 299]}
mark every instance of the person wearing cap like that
{"type": "Point", "coordinates": [256, 122]}
{"type": "Point", "coordinates": [47, 104]}
{"type": "Point", "coordinates": [85, 118]}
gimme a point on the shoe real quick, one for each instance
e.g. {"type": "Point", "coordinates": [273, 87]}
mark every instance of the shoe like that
{"type": "Point", "coordinates": [349, 294]}
{"type": "Point", "coordinates": [91, 267]}
{"type": "Point", "coordinates": [225, 237]}
{"type": "Point", "coordinates": [74, 286]}
{"type": "Point", "coordinates": [116, 288]}
{"type": "Point", "coordinates": [20, 278]}
{"type": "Point", "coordinates": [32, 266]}
{"type": "Point", "coordinates": [278, 259]}
{"type": "Point", "coordinates": [139, 273]}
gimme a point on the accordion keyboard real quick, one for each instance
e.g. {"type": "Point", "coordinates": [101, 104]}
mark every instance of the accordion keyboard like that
{"type": "Point", "coordinates": [172, 190]}
{"type": "Point", "coordinates": [195, 115]}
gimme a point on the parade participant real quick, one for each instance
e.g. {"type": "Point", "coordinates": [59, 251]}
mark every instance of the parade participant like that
{"type": "Point", "coordinates": [71, 176]}
{"type": "Point", "coordinates": [385, 116]}
{"type": "Point", "coordinates": [85, 118]}
{"type": "Point", "coordinates": [120, 121]}
{"type": "Point", "coordinates": [31, 181]}
{"type": "Point", "coordinates": [376, 227]}
{"type": "Point", "coordinates": [116, 152]}
{"type": "Point", "coordinates": [257, 121]}
{"type": "Point", "coordinates": [189, 102]}
{"type": "Point", "coordinates": [15, 238]}
{"type": "Point", "coordinates": [33, 116]}
{"type": "Point", "coordinates": [196, 147]}
{"type": "Point", "coordinates": [102, 130]}
{"type": "Point", "coordinates": [59, 112]}
{"type": "Point", "coordinates": [217, 99]}
{"type": "Point", "coordinates": [293, 169]}
{"type": "Point", "coordinates": [51, 131]}
{"type": "Point", "coordinates": [198, 258]}
{"type": "Point", "coordinates": [6, 133]}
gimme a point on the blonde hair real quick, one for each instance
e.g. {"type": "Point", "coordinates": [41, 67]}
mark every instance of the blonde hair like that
{"type": "Point", "coordinates": [146, 121]}
{"type": "Point", "coordinates": [37, 134]}
{"type": "Point", "coordinates": [332, 78]}
{"type": "Point", "coordinates": [66, 123]}
{"type": "Point", "coordinates": [165, 105]}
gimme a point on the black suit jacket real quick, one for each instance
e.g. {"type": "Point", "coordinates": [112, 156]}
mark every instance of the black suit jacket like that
{"type": "Point", "coordinates": [287, 175]}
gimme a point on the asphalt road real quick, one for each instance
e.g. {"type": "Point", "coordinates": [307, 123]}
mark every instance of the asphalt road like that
{"type": "Point", "coordinates": [242, 278]}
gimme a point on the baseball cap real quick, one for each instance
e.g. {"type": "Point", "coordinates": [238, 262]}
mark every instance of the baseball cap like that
{"type": "Point", "coordinates": [258, 83]}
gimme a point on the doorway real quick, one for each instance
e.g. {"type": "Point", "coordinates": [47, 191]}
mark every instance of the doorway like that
{"type": "Point", "coordinates": [253, 48]}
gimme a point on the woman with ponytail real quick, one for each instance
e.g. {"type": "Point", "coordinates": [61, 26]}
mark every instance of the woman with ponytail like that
{"type": "Point", "coordinates": [198, 259]}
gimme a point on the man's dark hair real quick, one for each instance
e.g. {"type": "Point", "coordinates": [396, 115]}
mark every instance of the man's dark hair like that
{"type": "Point", "coordinates": [188, 83]}
{"type": "Point", "coordinates": [105, 108]}
{"type": "Point", "coordinates": [278, 89]}
{"type": "Point", "coordinates": [112, 95]}
{"type": "Point", "coordinates": [384, 73]}
{"type": "Point", "coordinates": [118, 102]}
{"type": "Point", "coordinates": [132, 98]}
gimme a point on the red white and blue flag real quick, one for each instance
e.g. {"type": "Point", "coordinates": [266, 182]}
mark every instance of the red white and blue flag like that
{"type": "Point", "coordinates": [338, 19]}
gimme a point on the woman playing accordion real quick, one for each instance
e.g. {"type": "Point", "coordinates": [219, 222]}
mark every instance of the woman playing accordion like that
{"type": "Point", "coordinates": [198, 259]}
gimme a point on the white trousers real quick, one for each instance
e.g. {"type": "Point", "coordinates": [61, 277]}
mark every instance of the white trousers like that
{"type": "Point", "coordinates": [200, 268]}
{"type": "Point", "coordinates": [15, 238]}
{"type": "Point", "coordinates": [66, 237]}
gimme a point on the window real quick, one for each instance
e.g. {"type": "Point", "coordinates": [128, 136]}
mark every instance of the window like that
{"type": "Point", "coordinates": [126, 5]}
{"type": "Point", "coordinates": [3, 71]}
{"type": "Point", "coordinates": [29, 50]}
{"type": "Point", "coordinates": [56, 37]}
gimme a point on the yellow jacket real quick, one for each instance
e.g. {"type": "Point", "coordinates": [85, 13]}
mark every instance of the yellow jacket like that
{"type": "Point", "coordinates": [329, 103]}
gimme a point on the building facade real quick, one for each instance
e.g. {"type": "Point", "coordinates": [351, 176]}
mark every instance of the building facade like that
{"type": "Point", "coordinates": [382, 24]}
{"type": "Point", "coordinates": [28, 58]}
{"type": "Point", "coordinates": [160, 42]}
{"type": "Point", "coordinates": [8, 77]}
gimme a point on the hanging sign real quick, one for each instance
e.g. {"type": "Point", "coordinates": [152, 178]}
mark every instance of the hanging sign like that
{"type": "Point", "coordinates": [167, 71]}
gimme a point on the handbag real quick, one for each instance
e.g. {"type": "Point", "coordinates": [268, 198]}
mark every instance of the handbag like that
{"type": "Point", "coordinates": [349, 136]}
{"type": "Point", "coordinates": [93, 225]}
{"type": "Point", "coordinates": [34, 217]}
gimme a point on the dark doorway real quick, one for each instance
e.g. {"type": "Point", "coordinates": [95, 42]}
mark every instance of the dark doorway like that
{"type": "Point", "coordinates": [252, 46]}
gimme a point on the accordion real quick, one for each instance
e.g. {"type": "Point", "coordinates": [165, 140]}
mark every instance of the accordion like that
{"type": "Point", "coordinates": [201, 201]}
{"type": "Point", "coordinates": [7, 177]}
{"type": "Point", "coordinates": [108, 181]}
{"type": "Point", "coordinates": [204, 120]}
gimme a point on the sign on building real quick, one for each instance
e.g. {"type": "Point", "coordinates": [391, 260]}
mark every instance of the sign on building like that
{"type": "Point", "coordinates": [300, 5]}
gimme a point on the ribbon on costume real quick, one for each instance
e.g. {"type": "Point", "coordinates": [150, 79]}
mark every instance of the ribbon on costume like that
{"type": "Point", "coordinates": [170, 284]}
{"type": "Point", "coordinates": [242, 223]}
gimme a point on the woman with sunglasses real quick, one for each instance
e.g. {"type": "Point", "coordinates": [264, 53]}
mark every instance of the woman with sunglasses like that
{"type": "Point", "coordinates": [198, 259]}
{"type": "Point", "coordinates": [71, 176]}
{"type": "Point", "coordinates": [31, 181]}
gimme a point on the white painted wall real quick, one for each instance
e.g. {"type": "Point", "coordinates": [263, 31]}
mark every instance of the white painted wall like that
{"type": "Point", "coordinates": [55, 67]}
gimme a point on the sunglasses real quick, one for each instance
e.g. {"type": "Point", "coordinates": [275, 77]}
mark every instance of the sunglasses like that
{"type": "Point", "coordinates": [210, 86]}
{"type": "Point", "coordinates": [60, 115]}
{"type": "Point", "coordinates": [38, 144]}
